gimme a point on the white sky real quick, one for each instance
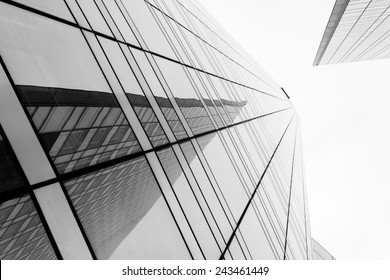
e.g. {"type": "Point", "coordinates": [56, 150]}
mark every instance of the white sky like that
{"type": "Point", "coordinates": [344, 111]}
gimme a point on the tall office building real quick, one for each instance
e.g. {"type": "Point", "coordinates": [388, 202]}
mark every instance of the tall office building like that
{"type": "Point", "coordinates": [357, 30]}
{"type": "Point", "coordinates": [134, 129]}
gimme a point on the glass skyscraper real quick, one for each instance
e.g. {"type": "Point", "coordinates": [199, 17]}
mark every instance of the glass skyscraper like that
{"type": "Point", "coordinates": [134, 129]}
{"type": "Point", "coordinates": [357, 30]}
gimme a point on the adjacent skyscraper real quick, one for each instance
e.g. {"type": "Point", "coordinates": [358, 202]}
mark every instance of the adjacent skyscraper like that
{"type": "Point", "coordinates": [134, 129]}
{"type": "Point", "coordinates": [357, 30]}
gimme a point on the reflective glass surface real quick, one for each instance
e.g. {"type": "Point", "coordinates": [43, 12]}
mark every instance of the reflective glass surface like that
{"type": "Point", "coordinates": [134, 92]}
{"type": "Point", "coordinates": [148, 133]}
{"type": "Point", "coordinates": [22, 235]}
{"type": "Point", "coordinates": [10, 177]}
{"type": "Point", "coordinates": [224, 172]}
{"type": "Point", "coordinates": [186, 97]}
{"type": "Point", "coordinates": [79, 124]}
{"type": "Point", "coordinates": [53, 7]}
{"type": "Point", "coordinates": [189, 203]}
{"type": "Point", "coordinates": [159, 94]}
{"type": "Point", "coordinates": [118, 205]}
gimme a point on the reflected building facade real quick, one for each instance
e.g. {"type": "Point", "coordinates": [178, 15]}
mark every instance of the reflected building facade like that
{"type": "Point", "coordinates": [356, 31]}
{"type": "Point", "coordinates": [141, 130]}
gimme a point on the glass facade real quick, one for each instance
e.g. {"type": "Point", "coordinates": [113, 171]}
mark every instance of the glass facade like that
{"type": "Point", "coordinates": [141, 130]}
{"type": "Point", "coordinates": [356, 31]}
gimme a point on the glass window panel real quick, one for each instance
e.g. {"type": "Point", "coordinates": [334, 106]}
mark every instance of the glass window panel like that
{"type": "Point", "coordinates": [56, 119]}
{"type": "Point", "coordinates": [108, 19]}
{"type": "Point", "coordinates": [120, 21]}
{"type": "Point", "coordinates": [255, 237]}
{"type": "Point", "coordinates": [208, 190]}
{"type": "Point", "coordinates": [62, 223]}
{"type": "Point", "coordinates": [276, 238]}
{"type": "Point", "coordinates": [74, 118]}
{"type": "Point", "coordinates": [40, 115]}
{"type": "Point", "coordinates": [235, 251]}
{"type": "Point", "coordinates": [121, 66]}
{"type": "Point", "coordinates": [147, 26]}
{"type": "Point", "coordinates": [124, 214]}
{"type": "Point", "coordinates": [22, 137]}
{"type": "Point", "coordinates": [22, 235]}
{"type": "Point", "coordinates": [134, 92]}
{"type": "Point", "coordinates": [189, 203]}
{"type": "Point", "coordinates": [276, 208]}
{"type": "Point", "coordinates": [224, 173]}
{"type": "Point", "coordinates": [102, 115]}
{"type": "Point", "coordinates": [185, 96]}
{"type": "Point", "coordinates": [159, 94]}
{"type": "Point", "coordinates": [88, 117]}
{"type": "Point", "coordinates": [147, 92]}
{"type": "Point", "coordinates": [53, 7]}
{"type": "Point", "coordinates": [174, 205]}
{"type": "Point", "coordinates": [166, 24]}
{"type": "Point", "coordinates": [94, 17]}
{"type": "Point", "coordinates": [77, 13]}
{"type": "Point", "coordinates": [294, 242]}
{"type": "Point", "coordinates": [65, 75]}
{"type": "Point", "coordinates": [119, 92]}
{"type": "Point", "coordinates": [238, 161]}
{"type": "Point", "coordinates": [197, 190]}
{"type": "Point", "coordinates": [207, 100]}
{"type": "Point", "coordinates": [10, 176]}
{"type": "Point", "coordinates": [42, 52]}
{"type": "Point", "coordinates": [256, 157]}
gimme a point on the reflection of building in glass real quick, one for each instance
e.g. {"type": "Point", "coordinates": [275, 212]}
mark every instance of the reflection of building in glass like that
{"type": "Point", "coordinates": [356, 31]}
{"type": "Point", "coordinates": [140, 130]}
{"type": "Point", "coordinates": [22, 235]}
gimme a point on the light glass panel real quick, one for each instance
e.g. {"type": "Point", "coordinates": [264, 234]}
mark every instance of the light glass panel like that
{"type": "Point", "coordinates": [119, 209]}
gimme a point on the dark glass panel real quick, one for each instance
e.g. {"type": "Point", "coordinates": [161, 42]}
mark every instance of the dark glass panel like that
{"type": "Point", "coordinates": [10, 177]}
{"type": "Point", "coordinates": [22, 235]}
{"type": "Point", "coordinates": [83, 122]}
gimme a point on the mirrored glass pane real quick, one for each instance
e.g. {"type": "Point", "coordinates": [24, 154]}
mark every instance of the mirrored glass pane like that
{"type": "Point", "coordinates": [134, 93]}
{"type": "Point", "coordinates": [53, 7]}
{"type": "Point", "coordinates": [95, 18]}
{"type": "Point", "coordinates": [42, 52]}
{"type": "Point", "coordinates": [120, 21]}
{"type": "Point", "coordinates": [79, 128]}
{"type": "Point", "coordinates": [189, 203]}
{"type": "Point", "coordinates": [22, 235]}
{"type": "Point", "coordinates": [79, 120]}
{"type": "Point", "coordinates": [124, 214]}
{"type": "Point", "coordinates": [253, 233]}
{"type": "Point", "coordinates": [148, 27]}
{"type": "Point", "coordinates": [209, 191]}
{"type": "Point", "coordinates": [224, 172]}
{"type": "Point", "coordinates": [10, 176]}
{"type": "Point", "coordinates": [159, 94]}
{"type": "Point", "coordinates": [185, 96]}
